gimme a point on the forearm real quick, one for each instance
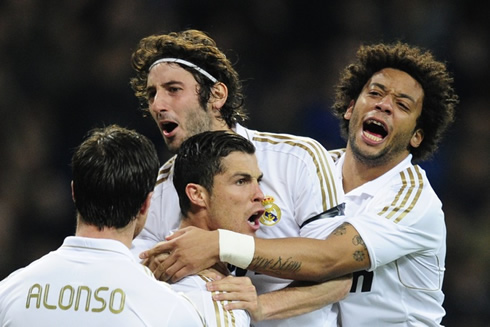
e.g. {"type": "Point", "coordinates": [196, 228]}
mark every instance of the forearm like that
{"type": "Point", "coordinates": [343, 252]}
{"type": "Point", "coordinates": [301, 298]}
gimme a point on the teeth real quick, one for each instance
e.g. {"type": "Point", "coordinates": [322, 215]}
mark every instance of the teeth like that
{"type": "Point", "coordinates": [372, 137]}
{"type": "Point", "coordinates": [375, 122]}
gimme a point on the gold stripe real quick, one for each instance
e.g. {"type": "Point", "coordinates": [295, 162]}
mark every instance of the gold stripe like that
{"type": "Point", "coordinates": [164, 172]}
{"type": "Point", "coordinates": [324, 172]}
{"type": "Point", "coordinates": [397, 197]}
{"type": "Point", "coordinates": [407, 195]}
{"type": "Point", "coordinates": [401, 209]}
{"type": "Point", "coordinates": [336, 154]}
{"type": "Point", "coordinates": [227, 315]}
{"type": "Point", "coordinates": [417, 195]}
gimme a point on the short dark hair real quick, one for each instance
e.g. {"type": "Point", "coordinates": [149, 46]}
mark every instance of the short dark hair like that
{"type": "Point", "coordinates": [114, 170]}
{"type": "Point", "coordinates": [201, 50]}
{"type": "Point", "coordinates": [199, 159]}
{"type": "Point", "coordinates": [440, 99]}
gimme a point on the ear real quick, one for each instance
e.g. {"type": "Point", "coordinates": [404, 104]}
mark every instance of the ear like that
{"type": "Point", "coordinates": [197, 194]}
{"type": "Point", "coordinates": [348, 112]}
{"type": "Point", "coordinates": [146, 205]}
{"type": "Point", "coordinates": [72, 192]}
{"type": "Point", "coordinates": [417, 138]}
{"type": "Point", "coordinates": [219, 95]}
{"type": "Point", "coordinates": [140, 220]}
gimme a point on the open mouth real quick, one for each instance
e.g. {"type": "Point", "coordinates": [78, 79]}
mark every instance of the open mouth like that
{"type": "Point", "coordinates": [168, 127]}
{"type": "Point", "coordinates": [374, 130]}
{"type": "Point", "coordinates": [254, 219]}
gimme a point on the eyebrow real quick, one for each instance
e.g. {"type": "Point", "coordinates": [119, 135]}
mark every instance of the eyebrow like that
{"type": "Point", "coordinates": [166, 84]}
{"type": "Point", "coordinates": [248, 176]}
{"type": "Point", "coordinates": [400, 95]}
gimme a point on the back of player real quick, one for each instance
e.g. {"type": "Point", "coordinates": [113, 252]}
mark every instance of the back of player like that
{"type": "Point", "coordinates": [213, 312]}
{"type": "Point", "coordinates": [71, 287]}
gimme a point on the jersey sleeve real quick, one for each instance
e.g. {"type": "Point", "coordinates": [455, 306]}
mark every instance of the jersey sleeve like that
{"type": "Point", "coordinates": [316, 188]}
{"type": "Point", "coordinates": [404, 219]}
{"type": "Point", "coordinates": [321, 228]}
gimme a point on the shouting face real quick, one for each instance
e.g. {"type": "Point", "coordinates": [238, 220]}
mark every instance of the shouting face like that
{"type": "Point", "coordinates": [174, 104]}
{"type": "Point", "coordinates": [382, 121]}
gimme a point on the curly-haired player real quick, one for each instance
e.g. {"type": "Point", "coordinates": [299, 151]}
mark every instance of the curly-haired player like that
{"type": "Point", "coordinates": [395, 101]}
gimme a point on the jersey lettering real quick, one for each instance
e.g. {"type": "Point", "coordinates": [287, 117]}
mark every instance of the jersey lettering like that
{"type": "Point", "coordinates": [69, 298]}
{"type": "Point", "coordinates": [366, 278]}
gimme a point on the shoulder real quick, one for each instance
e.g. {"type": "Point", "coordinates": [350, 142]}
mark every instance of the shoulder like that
{"type": "Point", "coordinates": [166, 171]}
{"type": "Point", "coordinates": [293, 146]}
{"type": "Point", "coordinates": [409, 194]}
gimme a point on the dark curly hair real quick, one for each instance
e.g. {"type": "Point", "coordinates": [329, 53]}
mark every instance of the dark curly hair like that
{"type": "Point", "coordinates": [198, 48]}
{"type": "Point", "coordinates": [439, 96]}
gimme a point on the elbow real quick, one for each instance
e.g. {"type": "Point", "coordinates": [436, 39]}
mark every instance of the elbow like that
{"type": "Point", "coordinates": [346, 285]}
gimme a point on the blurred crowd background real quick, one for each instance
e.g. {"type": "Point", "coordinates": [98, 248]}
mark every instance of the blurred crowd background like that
{"type": "Point", "coordinates": [65, 68]}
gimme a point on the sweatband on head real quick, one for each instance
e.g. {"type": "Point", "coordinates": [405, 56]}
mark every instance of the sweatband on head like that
{"type": "Point", "coordinates": [235, 248]}
{"type": "Point", "coordinates": [185, 63]}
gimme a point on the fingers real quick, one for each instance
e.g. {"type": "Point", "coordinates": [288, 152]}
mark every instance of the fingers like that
{"type": "Point", "coordinates": [159, 268]}
{"type": "Point", "coordinates": [162, 247]}
{"type": "Point", "coordinates": [212, 274]}
{"type": "Point", "coordinates": [239, 293]}
{"type": "Point", "coordinates": [178, 271]}
{"type": "Point", "coordinates": [233, 289]}
{"type": "Point", "coordinates": [176, 234]}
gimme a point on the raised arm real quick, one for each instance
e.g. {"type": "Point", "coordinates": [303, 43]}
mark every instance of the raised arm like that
{"type": "Point", "coordinates": [192, 249]}
{"type": "Point", "coordinates": [341, 253]}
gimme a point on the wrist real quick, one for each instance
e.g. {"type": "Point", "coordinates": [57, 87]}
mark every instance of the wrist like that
{"type": "Point", "coordinates": [235, 248]}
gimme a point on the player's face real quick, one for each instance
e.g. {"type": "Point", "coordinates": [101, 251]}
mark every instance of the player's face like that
{"type": "Point", "coordinates": [236, 199]}
{"type": "Point", "coordinates": [382, 121]}
{"type": "Point", "coordinates": [173, 103]}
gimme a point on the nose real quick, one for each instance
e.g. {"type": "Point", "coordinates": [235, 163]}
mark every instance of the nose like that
{"type": "Point", "coordinates": [158, 103]}
{"type": "Point", "coordinates": [258, 194]}
{"type": "Point", "coordinates": [385, 104]}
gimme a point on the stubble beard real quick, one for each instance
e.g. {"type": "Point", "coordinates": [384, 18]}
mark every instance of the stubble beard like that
{"type": "Point", "coordinates": [398, 145]}
{"type": "Point", "coordinates": [195, 123]}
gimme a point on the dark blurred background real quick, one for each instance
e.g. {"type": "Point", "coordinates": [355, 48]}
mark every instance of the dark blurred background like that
{"type": "Point", "coordinates": [64, 69]}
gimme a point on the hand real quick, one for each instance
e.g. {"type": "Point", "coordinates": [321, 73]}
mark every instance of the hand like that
{"type": "Point", "coordinates": [240, 292]}
{"type": "Point", "coordinates": [155, 258]}
{"type": "Point", "coordinates": [191, 250]}
{"type": "Point", "coordinates": [213, 273]}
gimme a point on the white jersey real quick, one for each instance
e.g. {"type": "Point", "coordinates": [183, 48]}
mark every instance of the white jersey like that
{"type": "Point", "coordinates": [91, 282]}
{"type": "Point", "coordinates": [401, 221]}
{"type": "Point", "coordinates": [213, 312]}
{"type": "Point", "coordinates": [298, 184]}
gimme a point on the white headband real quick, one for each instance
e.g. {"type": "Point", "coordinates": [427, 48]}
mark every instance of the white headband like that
{"type": "Point", "coordinates": [186, 63]}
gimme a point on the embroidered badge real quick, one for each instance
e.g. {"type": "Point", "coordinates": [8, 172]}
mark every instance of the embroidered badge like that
{"type": "Point", "coordinates": [272, 213]}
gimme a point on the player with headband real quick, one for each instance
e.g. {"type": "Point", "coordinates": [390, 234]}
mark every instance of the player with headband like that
{"type": "Point", "coordinates": [189, 86]}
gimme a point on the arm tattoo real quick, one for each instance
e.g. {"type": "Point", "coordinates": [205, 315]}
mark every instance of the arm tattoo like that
{"type": "Point", "coordinates": [277, 265]}
{"type": "Point", "coordinates": [359, 255]}
{"type": "Point", "coordinates": [339, 231]}
{"type": "Point", "coordinates": [357, 240]}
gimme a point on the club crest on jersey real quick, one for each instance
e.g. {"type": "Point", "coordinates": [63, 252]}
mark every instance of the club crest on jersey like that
{"type": "Point", "coordinates": [272, 213]}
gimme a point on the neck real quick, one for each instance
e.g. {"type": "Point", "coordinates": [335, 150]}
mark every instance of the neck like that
{"type": "Point", "coordinates": [196, 219]}
{"type": "Point", "coordinates": [356, 172]}
{"type": "Point", "coordinates": [123, 235]}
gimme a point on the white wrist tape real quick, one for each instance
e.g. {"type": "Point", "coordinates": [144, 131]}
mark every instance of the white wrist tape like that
{"type": "Point", "coordinates": [235, 248]}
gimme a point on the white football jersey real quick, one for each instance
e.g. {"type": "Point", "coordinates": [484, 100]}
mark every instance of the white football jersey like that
{"type": "Point", "coordinates": [401, 221]}
{"type": "Point", "coordinates": [298, 184]}
{"type": "Point", "coordinates": [213, 312]}
{"type": "Point", "coordinates": [91, 282]}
